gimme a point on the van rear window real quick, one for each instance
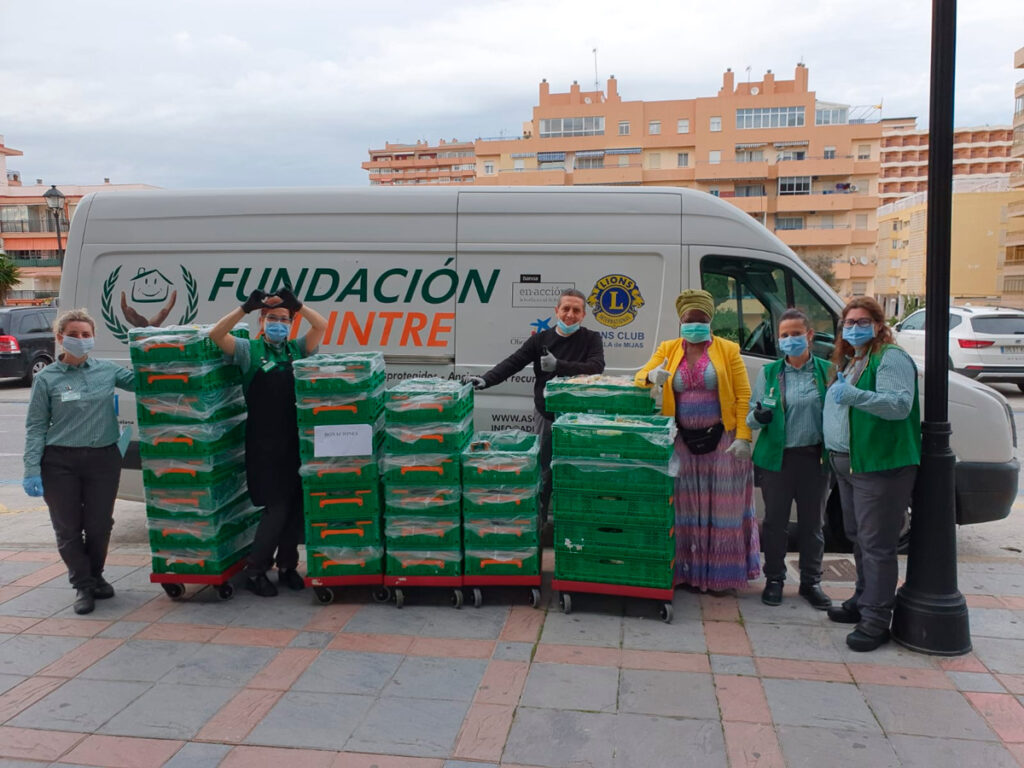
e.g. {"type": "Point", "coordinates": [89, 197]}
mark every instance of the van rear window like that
{"type": "Point", "coordinates": [999, 324]}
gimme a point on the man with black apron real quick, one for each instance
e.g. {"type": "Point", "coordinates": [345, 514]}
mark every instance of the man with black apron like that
{"type": "Point", "coordinates": [271, 432]}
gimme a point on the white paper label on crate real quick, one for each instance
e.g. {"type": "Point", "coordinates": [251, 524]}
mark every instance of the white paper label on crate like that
{"type": "Point", "coordinates": [343, 440]}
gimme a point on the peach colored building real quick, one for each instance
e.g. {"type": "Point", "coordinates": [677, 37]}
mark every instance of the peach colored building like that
{"type": "Point", "coordinates": [1013, 268]}
{"type": "Point", "coordinates": [450, 162]}
{"type": "Point", "coordinates": [805, 168]}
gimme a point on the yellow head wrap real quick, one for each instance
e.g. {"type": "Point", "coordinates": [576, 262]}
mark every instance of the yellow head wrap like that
{"type": "Point", "coordinates": [695, 299]}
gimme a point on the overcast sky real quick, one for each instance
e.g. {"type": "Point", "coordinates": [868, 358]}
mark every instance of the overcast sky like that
{"type": "Point", "coordinates": [206, 93]}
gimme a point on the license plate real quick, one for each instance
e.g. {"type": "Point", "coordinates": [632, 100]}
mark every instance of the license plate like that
{"type": "Point", "coordinates": [1014, 350]}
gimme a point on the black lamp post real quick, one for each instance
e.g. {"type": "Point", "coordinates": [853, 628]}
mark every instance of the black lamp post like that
{"type": "Point", "coordinates": [55, 200]}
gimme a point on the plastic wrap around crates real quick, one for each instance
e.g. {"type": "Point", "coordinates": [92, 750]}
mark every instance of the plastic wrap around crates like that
{"type": "Point", "coordinates": [609, 508]}
{"type": "Point", "coordinates": [339, 471]}
{"type": "Point", "coordinates": [170, 531]}
{"type": "Point", "coordinates": [204, 439]}
{"type": "Point", "coordinates": [207, 559]}
{"type": "Point", "coordinates": [343, 561]}
{"type": "Point", "coordinates": [428, 400]}
{"type": "Point", "coordinates": [479, 532]}
{"type": "Point", "coordinates": [613, 437]}
{"type": "Point", "coordinates": [340, 503]}
{"type": "Point", "coordinates": [611, 540]}
{"type": "Point", "coordinates": [339, 372]}
{"type": "Point", "coordinates": [349, 532]}
{"type": "Point", "coordinates": [499, 500]}
{"type": "Point", "coordinates": [185, 376]}
{"type": "Point", "coordinates": [620, 569]}
{"type": "Point", "coordinates": [176, 343]}
{"type": "Point", "coordinates": [432, 500]}
{"type": "Point", "coordinates": [523, 561]}
{"type": "Point", "coordinates": [501, 458]}
{"type": "Point", "coordinates": [428, 436]}
{"type": "Point", "coordinates": [601, 476]}
{"type": "Point", "coordinates": [420, 468]}
{"type": "Point", "coordinates": [333, 408]}
{"type": "Point", "coordinates": [423, 532]}
{"type": "Point", "coordinates": [423, 562]}
{"type": "Point", "coordinates": [195, 498]}
{"type": "Point", "coordinates": [190, 407]}
{"type": "Point", "coordinates": [201, 470]}
{"type": "Point", "coordinates": [307, 439]}
{"type": "Point", "coordinates": [597, 393]}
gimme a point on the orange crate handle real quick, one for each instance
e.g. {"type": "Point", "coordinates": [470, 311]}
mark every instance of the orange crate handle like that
{"type": "Point", "coordinates": [350, 561]}
{"type": "Point", "coordinates": [502, 468]}
{"type": "Point", "coordinates": [439, 470]}
{"type": "Point", "coordinates": [182, 377]}
{"type": "Point", "coordinates": [176, 471]}
{"type": "Point", "coordinates": [343, 375]}
{"type": "Point", "coordinates": [421, 407]}
{"type": "Point", "coordinates": [328, 502]}
{"type": "Point", "coordinates": [340, 531]}
{"type": "Point", "coordinates": [165, 345]}
{"type": "Point", "coordinates": [321, 408]}
{"type": "Point", "coordinates": [187, 440]}
{"type": "Point", "coordinates": [425, 532]}
{"type": "Point", "coordinates": [412, 563]}
{"type": "Point", "coordinates": [322, 472]}
{"type": "Point", "coordinates": [169, 531]}
{"type": "Point", "coordinates": [503, 529]}
{"type": "Point", "coordinates": [192, 502]}
{"type": "Point", "coordinates": [488, 561]}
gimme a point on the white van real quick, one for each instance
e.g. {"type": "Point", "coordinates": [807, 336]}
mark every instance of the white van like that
{"type": "Point", "coordinates": [448, 281]}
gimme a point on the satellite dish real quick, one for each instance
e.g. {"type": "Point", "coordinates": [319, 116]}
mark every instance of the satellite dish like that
{"type": "Point", "coordinates": [863, 259]}
{"type": "Point", "coordinates": [755, 90]}
{"type": "Point", "coordinates": [586, 100]}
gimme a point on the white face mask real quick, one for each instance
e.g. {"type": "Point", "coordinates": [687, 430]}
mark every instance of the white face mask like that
{"type": "Point", "coordinates": [77, 347]}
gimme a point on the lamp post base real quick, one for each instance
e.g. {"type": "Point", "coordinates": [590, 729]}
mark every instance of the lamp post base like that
{"type": "Point", "coordinates": [929, 623]}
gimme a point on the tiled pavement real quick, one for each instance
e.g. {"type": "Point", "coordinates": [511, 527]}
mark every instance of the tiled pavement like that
{"type": "Point", "coordinates": [254, 682]}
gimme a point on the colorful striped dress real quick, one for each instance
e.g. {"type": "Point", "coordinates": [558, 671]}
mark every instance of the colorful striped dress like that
{"type": "Point", "coordinates": [717, 544]}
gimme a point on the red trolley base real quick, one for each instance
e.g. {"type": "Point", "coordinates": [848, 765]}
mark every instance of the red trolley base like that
{"type": "Point", "coordinates": [398, 582]}
{"type": "Point", "coordinates": [477, 580]}
{"type": "Point", "coordinates": [625, 590]}
{"type": "Point", "coordinates": [324, 586]}
{"type": "Point", "coordinates": [174, 583]}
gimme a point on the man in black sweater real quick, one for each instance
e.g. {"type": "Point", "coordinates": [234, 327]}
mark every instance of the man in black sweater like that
{"type": "Point", "coordinates": [565, 350]}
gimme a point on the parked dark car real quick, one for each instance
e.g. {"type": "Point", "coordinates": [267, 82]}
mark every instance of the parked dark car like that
{"type": "Point", "coordinates": [26, 341]}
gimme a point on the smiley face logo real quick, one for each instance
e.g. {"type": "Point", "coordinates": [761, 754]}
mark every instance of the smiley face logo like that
{"type": "Point", "coordinates": [149, 286]}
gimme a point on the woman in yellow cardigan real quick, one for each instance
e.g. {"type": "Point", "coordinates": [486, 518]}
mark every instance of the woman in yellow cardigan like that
{"type": "Point", "coordinates": [707, 390]}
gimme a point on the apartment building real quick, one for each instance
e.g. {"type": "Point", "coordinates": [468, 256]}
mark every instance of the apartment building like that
{"type": "Point", "coordinates": [452, 162]}
{"type": "Point", "coordinates": [1013, 267]}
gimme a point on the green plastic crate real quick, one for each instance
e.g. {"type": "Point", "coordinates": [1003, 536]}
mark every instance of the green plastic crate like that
{"type": "Point", "coordinates": [420, 469]}
{"type": "Point", "coordinates": [428, 400]}
{"type": "Point", "coordinates": [343, 561]}
{"type": "Point", "coordinates": [608, 508]}
{"type": "Point", "coordinates": [479, 532]}
{"type": "Point", "coordinates": [432, 501]}
{"type": "Point", "coordinates": [422, 532]}
{"type": "Point", "coordinates": [600, 476]}
{"type": "Point", "coordinates": [423, 562]}
{"type": "Point", "coordinates": [327, 408]}
{"type": "Point", "coordinates": [428, 437]}
{"type": "Point", "coordinates": [613, 437]}
{"type": "Point", "coordinates": [523, 561]}
{"type": "Point", "coordinates": [190, 407]}
{"type": "Point", "coordinates": [501, 458]}
{"type": "Point", "coordinates": [172, 344]}
{"type": "Point", "coordinates": [631, 571]}
{"type": "Point", "coordinates": [176, 532]}
{"type": "Point", "coordinates": [339, 471]}
{"type": "Point", "coordinates": [616, 539]}
{"type": "Point", "coordinates": [196, 498]}
{"type": "Point", "coordinates": [185, 376]}
{"type": "Point", "coordinates": [191, 440]}
{"type": "Point", "coordinates": [307, 439]}
{"type": "Point", "coordinates": [499, 501]}
{"type": "Point", "coordinates": [206, 560]}
{"type": "Point", "coordinates": [350, 532]}
{"type": "Point", "coordinates": [597, 394]}
{"type": "Point", "coordinates": [339, 372]}
{"type": "Point", "coordinates": [201, 470]}
{"type": "Point", "coordinates": [341, 503]}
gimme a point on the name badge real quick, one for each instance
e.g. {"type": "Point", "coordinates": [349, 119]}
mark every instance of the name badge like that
{"type": "Point", "coordinates": [769, 401]}
{"type": "Point", "coordinates": [67, 397]}
{"type": "Point", "coordinates": [268, 366]}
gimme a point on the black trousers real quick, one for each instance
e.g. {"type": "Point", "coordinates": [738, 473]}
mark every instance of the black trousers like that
{"type": "Point", "coordinates": [281, 529]}
{"type": "Point", "coordinates": [79, 486]}
{"type": "Point", "coordinates": [542, 428]}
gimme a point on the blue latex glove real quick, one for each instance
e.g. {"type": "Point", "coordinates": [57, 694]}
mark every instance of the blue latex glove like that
{"type": "Point", "coordinates": [842, 392]}
{"type": "Point", "coordinates": [33, 485]}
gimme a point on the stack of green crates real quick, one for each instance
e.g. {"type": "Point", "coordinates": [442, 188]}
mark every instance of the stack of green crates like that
{"type": "Point", "coordinates": [341, 494]}
{"type": "Point", "coordinates": [500, 513]}
{"type": "Point", "coordinates": [598, 393]}
{"type": "Point", "coordinates": [427, 424]}
{"type": "Point", "coordinates": [612, 480]}
{"type": "Point", "coordinates": [191, 416]}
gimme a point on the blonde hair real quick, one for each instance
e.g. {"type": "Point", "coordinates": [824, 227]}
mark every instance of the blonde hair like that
{"type": "Point", "coordinates": [73, 316]}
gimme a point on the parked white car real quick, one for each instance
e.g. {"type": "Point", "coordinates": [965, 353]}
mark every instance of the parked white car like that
{"type": "Point", "coordinates": [985, 343]}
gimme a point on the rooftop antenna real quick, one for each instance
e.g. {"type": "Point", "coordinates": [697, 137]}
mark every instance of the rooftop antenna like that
{"type": "Point", "coordinates": [748, 74]}
{"type": "Point", "coordinates": [597, 85]}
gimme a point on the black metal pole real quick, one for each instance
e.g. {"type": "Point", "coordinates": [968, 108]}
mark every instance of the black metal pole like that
{"type": "Point", "coordinates": [930, 613]}
{"type": "Point", "coordinates": [56, 221]}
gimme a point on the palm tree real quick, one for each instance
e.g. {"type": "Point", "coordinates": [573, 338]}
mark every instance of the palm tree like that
{"type": "Point", "coordinates": [10, 276]}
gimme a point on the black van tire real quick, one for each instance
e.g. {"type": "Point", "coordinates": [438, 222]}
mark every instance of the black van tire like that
{"type": "Point", "coordinates": [835, 536]}
{"type": "Point", "coordinates": [38, 363]}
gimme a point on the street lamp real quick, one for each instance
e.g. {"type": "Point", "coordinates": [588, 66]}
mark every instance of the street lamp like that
{"type": "Point", "coordinates": [55, 200]}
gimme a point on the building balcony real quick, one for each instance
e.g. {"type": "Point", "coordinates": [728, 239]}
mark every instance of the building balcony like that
{"type": "Point", "coordinates": [1015, 209]}
{"type": "Point", "coordinates": [733, 170]}
{"type": "Point", "coordinates": [846, 271]}
{"type": "Point", "coordinates": [1014, 239]}
{"type": "Point", "coordinates": [1017, 179]}
{"type": "Point", "coordinates": [815, 237]}
{"type": "Point", "coordinates": [825, 202]}
{"type": "Point", "coordinates": [757, 204]}
{"type": "Point", "coordinates": [16, 226]}
{"type": "Point", "coordinates": [29, 263]}
{"type": "Point", "coordinates": [668, 176]}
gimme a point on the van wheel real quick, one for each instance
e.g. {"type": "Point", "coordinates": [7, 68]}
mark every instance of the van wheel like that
{"type": "Point", "coordinates": [37, 365]}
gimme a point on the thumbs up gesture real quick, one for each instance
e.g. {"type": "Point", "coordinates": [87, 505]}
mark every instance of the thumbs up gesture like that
{"type": "Point", "coordinates": [659, 375]}
{"type": "Point", "coordinates": [839, 388]}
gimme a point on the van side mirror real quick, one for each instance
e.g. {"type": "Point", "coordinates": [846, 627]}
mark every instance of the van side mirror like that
{"type": "Point", "coordinates": [898, 327]}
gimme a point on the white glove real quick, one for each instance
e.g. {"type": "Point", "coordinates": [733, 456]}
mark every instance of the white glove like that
{"type": "Point", "coordinates": [548, 362]}
{"type": "Point", "coordinates": [477, 382]}
{"type": "Point", "coordinates": [659, 375]}
{"type": "Point", "coordinates": [740, 450]}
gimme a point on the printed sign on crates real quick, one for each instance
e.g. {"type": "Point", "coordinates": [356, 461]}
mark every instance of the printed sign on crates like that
{"type": "Point", "coordinates": [343, 440]}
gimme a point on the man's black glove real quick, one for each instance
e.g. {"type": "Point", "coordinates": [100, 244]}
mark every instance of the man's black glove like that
{"type": "Point", "coordinates": [289, 300]}
{"type": "Point", "coordinates": [255, 301]}
{"type": "Point", "coordinates": [762, 415]}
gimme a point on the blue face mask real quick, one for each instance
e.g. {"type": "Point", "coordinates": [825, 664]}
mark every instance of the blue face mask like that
{"type": "Point", "coordinates": [857, 336]}
{"type": "Point", "coordinates": [695, 333]}
{"type": "Point", "coordinates": [276, 332]}
{"type": "Point", "coordinates": [78, 347]}
{"type": "Point", "coordinates": [568, 329]}
{"type": "Point", "coordinates": [793, 346]}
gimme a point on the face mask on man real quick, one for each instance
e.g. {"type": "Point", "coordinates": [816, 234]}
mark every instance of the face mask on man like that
{"type": "Point", "coordinates": [793, 346]}
{"type": "Point", "coordinates": [77, 347]}
{"type": "Point", "coordinates": [568, 329]}
{"type": "Point", "coordinates": [276, 332]}
{"type": "Point", "coordinates": [857, 336]}
{"type": "Point", "coordinates": [695, 333]}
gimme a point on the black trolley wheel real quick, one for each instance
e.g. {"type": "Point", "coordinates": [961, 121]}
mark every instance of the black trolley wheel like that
{"type": "Point", "coordinates": [174, 591]}
{"type": "Point", "coordinates": [478, 597]}
{"type": "Point", "coordinates": [381, 594]}
{"type": "Point", "coordinates": [535, 598]}
{"type": "Point", "coordinates": [323, 595]}
{"type": "Point", "coordinates": [225, 591]}
{"type": "Point", "coordinates": [565, 601]}
{"type": "Point", "coordinates": [666, 612]}
{"type": "Point", "coordinates": [399, 598]}
{"type": "Point", "coordinates": [456, 598]}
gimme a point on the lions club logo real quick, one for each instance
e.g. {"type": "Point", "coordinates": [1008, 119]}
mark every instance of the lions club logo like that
{"type": "Point", "coordinates": [149, 289]}
{"type": "Point", "coordinates": [615, 300]}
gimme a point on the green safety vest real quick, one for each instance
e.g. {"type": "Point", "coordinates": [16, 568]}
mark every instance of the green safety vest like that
{"type": "Point", "coordinates": [878, 444]}
{"type": "Point", "coordinates": [262, 354]}
{"type": "Point", "coordinates": [772, 440]}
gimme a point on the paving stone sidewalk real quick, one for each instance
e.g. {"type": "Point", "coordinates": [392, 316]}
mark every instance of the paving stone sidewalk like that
{"type": "Point", "coordinates": [252, 682]}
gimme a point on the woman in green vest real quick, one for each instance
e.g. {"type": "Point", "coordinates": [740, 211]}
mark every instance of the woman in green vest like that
{"type": "Point", "coordinates": [872, 429]}
{"type": "Point", "coordinates": [785, 406]}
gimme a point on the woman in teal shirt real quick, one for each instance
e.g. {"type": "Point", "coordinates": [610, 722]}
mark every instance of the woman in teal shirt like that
{"type": "Point", "coordinates": [71, 454]}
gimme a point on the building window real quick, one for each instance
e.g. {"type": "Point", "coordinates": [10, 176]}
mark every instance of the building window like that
{"type": "Point", "coordinates": [750, 190]}
{"type": "Point", "coordinates": [789, 222]}
{"type": "Point", "coordinates": [682, 159]}
{"type": "Point", "coordinates": [488, 168]}
{"type": "Point", "coordinates": [790, 154]}
{"type": "Point", "coordinates": [826, 221]}
{"type": "Point", "coordinates": [795, 185]}
{"type": "Point", "coordinates": [715, 156]}
{"type": "Point", "coordinates": [556, 127]}
{"type": "Point", "coordinates": [1018, 106]}
{"type": "Point", "coordinates": [654, 127]}
{"type": "Point", "coordinates": [831, 116]}
{"type": "Point", "coordinates": [770, 117]}
{"type": "Point", "coordinates": [590, 162]}
{"type": "Point", "coordinates": [715, 124]}
{"type": "Point", "coordinates": [859, 287]}
{"type": "Point", "coordinates": [861, 221]}
{"type": "Point", "coordinates": [863, 151]}
{"type": "Point", "coordinates": [623, 161]}
{"type": "Point", "coordinates": [749, 155]}
{"type": "Point", "coordinates": [519, 165]}
{"type": "Point", "coordinates": [714, 191]}
{"type": "Point", "coordinates": [682, 125]}
{"type": "Point", "coordinates": [830, 153]}
{"type": "Point", "coordinates": [624, 128]}
{"type": "Point", "coordinates": [654, 160]}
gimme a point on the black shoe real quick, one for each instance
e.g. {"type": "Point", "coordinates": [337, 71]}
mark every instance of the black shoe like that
{"type": "Point", "coordinates": [85, 601]}
{"type": "Point", "coordinates": [814, 595]}
{"type": "Point", "coordinates": [103, 590]}
{"type": "Point", "coordinates": [290, 578]}
{"type": "Point", "coordinates": [861, 640]}
{"type": "Point", "coordinates": [843, 614]}
{"type": "Point", "coordinates": [772, 594]}
{"type": "Point", "coordinates": [260, 585]}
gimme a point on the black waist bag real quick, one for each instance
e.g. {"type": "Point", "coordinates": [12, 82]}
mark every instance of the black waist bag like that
{"type": "Point", "coordinates": [703, 440]}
